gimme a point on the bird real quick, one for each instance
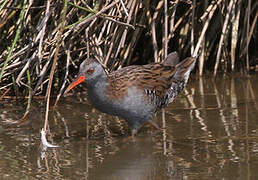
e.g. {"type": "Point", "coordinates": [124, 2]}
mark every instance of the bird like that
{"type": "Point", "coordinates": [136, 92]}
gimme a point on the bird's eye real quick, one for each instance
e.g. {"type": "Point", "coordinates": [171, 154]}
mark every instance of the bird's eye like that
{"type": "Point", "coordinates": [90, 71]}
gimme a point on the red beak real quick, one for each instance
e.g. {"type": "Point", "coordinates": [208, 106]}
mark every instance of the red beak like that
{"type": "Point", "coordinates": [77, 81]}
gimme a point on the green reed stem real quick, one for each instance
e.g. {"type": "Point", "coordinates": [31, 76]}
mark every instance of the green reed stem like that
{"type": "Point", "coordinates": [2, 6]}
{"type": "Point", "coordinates": [83, 8]}
{"type": "Point", "coordinates": [17, 36]}
{"type": "Point", "coordinates": [15, 86]}
{"type": "Point", "coordinates": [92, 12]}
{"type": "Point", "coordinates": [30, 91]}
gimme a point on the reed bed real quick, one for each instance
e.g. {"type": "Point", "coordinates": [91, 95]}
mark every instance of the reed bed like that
{"type": "Point", "coordinates": [42, 43]}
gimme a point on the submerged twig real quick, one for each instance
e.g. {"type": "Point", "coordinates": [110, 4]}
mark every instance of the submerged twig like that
{"type": "Point", "coordinates": [44, 140]}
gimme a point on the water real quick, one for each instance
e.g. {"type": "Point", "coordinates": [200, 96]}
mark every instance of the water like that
{"type": "Point", "coordinates": [211, 132]}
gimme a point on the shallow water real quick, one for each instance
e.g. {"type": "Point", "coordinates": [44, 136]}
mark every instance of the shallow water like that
{"type": "Point", "coordinates": [211, 132]}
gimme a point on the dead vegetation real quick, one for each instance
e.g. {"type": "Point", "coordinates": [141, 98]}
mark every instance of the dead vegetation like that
{"type": "Point", "coordinates": [41, 41]}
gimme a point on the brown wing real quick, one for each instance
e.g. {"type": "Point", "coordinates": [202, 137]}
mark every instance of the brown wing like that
{"type": "Point", "coordinates": [152, 79]}
{"type": "Point", "coordinates": [160, 82]}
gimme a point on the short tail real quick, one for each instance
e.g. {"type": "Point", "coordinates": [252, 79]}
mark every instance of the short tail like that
{"type": "Point", "coordinates": [184, 69]}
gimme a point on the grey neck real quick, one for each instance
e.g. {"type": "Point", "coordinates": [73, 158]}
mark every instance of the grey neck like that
{"type": "Point", "coordinates": [97, 91]}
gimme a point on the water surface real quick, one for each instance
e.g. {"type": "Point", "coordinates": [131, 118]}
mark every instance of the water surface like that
{"type": "Point", "coordinates": [210, 132]}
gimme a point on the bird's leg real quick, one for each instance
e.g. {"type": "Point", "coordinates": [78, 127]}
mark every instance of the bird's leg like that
{"type": "Point", "coordinates": [132, 137]}
{"type": "Point", "coordinates": [134, 132]}
{"type": "Point", "coordinates": [154, 124]}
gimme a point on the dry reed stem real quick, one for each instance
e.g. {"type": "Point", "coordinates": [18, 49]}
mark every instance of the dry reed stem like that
{"type": "Point", "coordinates": [234, 33]}
{"type": "Point", "coordinates": [203, 51]}
{"type": "Point", "coordinates": [250, 34]}
{"type": "Point", "coordinates": [204, 29]}
{"type": "Point", "coordinates": [151, 23]}
{"type": "Point", "coordinates": [192, 24]}
{"type": "Point", "coordinates": [223, 35]}
{"type": "Point", "coordinates": [59, 39]}
{"type": "Point", "coordinates": [29, 97]}
{"type": "Point", "coordinates": [114, 38]}
{"type": "Point", "coordinates": [247, 34]}
{"type": "Point", "coordinates": [166, 29]}
{"type": "Point", "coordinates": [78, 28]}
{"type": "Point", "coordinates": [133, 43]}
{"type": "Point", "coordinates": [68, 52]}
{"type": "Point", "coordinates": [122, 42]}
{"type": "Point", "coordinates": [165, 56]}
{"type": "Point", "coordinates": [41, 33]}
